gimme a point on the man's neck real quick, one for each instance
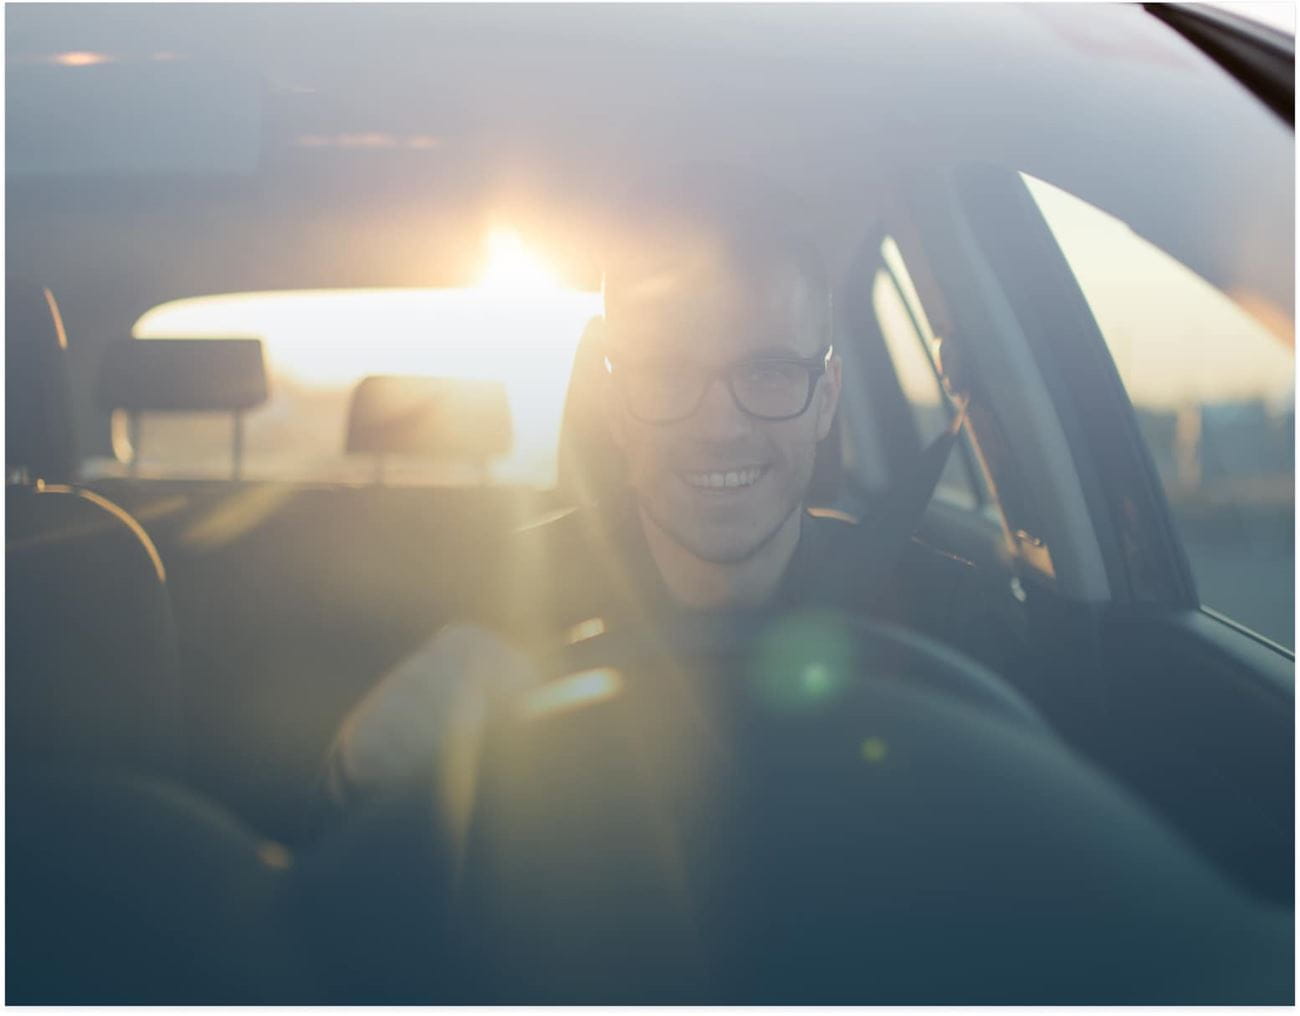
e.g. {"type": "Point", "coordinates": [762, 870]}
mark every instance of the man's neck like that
{"type": "Point", "coordinates": [709, 585]}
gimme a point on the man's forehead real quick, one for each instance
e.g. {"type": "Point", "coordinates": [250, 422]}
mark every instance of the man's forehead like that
{"type": "Point", "coordinates": [706, 291]}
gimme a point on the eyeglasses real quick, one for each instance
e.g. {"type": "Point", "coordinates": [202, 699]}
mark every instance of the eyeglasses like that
{"type": "Point", "coordinates": [767, 387]}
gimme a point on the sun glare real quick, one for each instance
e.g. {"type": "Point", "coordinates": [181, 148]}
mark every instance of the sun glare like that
{"type": "Point", "coordinates": [512, 269]}
{"type": "Point", "coordinates": [518, 326]}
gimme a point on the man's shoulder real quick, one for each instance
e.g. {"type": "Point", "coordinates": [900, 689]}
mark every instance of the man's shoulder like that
{"type": "Point", "coordinates": [838, 531]}
{"type": "Point", "coordinates": [559, 569]}
{"type": "Point", "coordinates": [917, 574]}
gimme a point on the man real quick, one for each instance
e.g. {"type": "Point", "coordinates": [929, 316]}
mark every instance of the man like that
{"type": "Point", "coordinates": [720, 379]}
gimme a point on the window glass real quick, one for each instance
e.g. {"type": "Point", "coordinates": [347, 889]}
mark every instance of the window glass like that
{"type": "Point", "coordinates": [907, 335]}
{"type": "Point", "coordinates": [1214, 391]}
{"type": "Point", "coordinates": [320, 344]}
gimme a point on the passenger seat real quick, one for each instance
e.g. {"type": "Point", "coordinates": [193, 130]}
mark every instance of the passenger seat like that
{"type": "Point", "coordinates": [121, 885]}
{"type": "Point", "coordinates": [91, 649]}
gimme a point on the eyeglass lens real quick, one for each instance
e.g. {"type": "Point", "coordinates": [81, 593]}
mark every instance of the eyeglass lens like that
{"type": "Point", "coordinates": [765, 389]}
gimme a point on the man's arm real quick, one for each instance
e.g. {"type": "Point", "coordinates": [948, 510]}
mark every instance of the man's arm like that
{"type": "Point", "coordinates": [427, 709]}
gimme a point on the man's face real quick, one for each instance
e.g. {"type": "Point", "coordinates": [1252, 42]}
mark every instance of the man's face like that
{"type": "Point", "coordinates": [719, 482]}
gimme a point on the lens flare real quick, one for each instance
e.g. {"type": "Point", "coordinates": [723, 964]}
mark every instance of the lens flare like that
{"type": "Point", "coordinates": [80, 58]}
{"type": "Point", "coordinates": [804, 662]}
{"type": "Point", "coordinates": [572, 692]}
{"type": "Point", "coordinates": [584, 630]}
{"type": "Point", "coordinates": [874, 750]}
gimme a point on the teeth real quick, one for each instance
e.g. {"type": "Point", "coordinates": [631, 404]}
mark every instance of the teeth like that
{"type": "Point", "coordinates": [722, 481]}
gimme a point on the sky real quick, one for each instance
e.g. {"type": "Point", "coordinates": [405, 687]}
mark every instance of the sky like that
{"type": "Point", "coordinates": [1276, 15]}
{"type": "Point", "coordinates": [1176, 340]}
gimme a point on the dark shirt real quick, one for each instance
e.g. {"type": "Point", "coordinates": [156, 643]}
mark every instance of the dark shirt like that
{"type": "Point", "coordinates": [595, 563]}
{"type": "Point", "coordinates": [553, 580]}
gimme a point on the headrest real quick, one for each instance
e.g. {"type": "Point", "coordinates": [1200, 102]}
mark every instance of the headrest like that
{"type": "Point", "coordinates": [39, 424]}
{"type": "Point", "coordinates": [590, 464]}
{"type": "Point", "coordinates": [90, 658]}
{"type": "Point", "coordinates": [432, 417]}
{"type": "Point", "coordinates": [183, 375]}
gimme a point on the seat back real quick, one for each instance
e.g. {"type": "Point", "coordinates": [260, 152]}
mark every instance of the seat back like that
{"type": "Point", "coordinates": [90, 655]}
{"type": "Point", "coordinates": [126, 889]}
{"type": "Point", "coordinates": [121, 886]}
{"type": "Point", "coordinates": [91, 649]}
{"type": "Point", "coordinates": [39, 432]}
{"type": "Point", "coordinates": [446, 420]}
{"type": "Point", "coordinates": [590, 467]}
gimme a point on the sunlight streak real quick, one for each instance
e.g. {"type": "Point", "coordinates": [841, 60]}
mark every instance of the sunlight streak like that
{"type": "Point", "coordinates": [572, 692]}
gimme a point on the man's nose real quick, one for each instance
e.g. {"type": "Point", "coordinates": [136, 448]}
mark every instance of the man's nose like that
{"type": "Point", "coordinates": [718, 417]}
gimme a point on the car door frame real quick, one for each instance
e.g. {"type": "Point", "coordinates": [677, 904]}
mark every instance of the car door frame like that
{"type": "Point", "coordinates": [1192, 710]}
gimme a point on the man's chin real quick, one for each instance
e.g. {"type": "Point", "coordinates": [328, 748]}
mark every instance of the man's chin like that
{"type": "Point", "coordinates": [719, 544]}
{"type": "Point", "coordinates": [721, 553]}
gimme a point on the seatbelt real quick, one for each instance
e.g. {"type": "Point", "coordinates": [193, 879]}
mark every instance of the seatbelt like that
{"type": "Point", "coordinates": [859, 575]}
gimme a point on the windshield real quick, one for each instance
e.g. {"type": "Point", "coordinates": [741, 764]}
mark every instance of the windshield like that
{"type": "Point", "coordinates": [740, 466]}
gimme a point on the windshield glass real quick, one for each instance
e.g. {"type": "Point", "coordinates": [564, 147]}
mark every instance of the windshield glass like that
{"type": "Point", "coordinates": [519, 327]}
{"type": "Point", "coordinates": [652, 503]}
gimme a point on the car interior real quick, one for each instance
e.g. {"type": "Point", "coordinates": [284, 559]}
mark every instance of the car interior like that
{"type": "Point", "coordinates": [1107, 813]}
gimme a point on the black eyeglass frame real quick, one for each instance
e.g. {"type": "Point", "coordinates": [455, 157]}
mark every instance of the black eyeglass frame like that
{"type": "Point", "coordinates": [815, 365]}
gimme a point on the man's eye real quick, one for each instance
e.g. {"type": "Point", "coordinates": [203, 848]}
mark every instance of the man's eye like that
{"type": "Point", "coordinates": [767, 375]}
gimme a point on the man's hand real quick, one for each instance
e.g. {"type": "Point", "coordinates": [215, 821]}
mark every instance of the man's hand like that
{"type": "Point", "coordinates": [428, 711]}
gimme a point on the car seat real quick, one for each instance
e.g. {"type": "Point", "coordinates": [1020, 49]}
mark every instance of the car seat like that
{"type": "Point", "coordinates": [121, 885]}
{"type": "Point", "coordinates": [91, 648]}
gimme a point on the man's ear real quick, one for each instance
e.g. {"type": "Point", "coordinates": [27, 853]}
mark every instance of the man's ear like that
{"type": "Point", "coordinates": [828, 396]}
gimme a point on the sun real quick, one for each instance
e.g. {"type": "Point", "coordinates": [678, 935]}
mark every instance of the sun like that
{"type": "Point", "coordinates": [513, 270]}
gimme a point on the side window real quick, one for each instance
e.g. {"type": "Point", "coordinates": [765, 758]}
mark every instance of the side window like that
{"type": "Point", "coordinates": [1214, 392]}
{"type": "Point", "coordinates": [911, 343]}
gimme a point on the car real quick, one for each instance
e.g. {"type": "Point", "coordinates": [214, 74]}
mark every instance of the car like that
{"type": "Point", "coordinates": [295, 296]}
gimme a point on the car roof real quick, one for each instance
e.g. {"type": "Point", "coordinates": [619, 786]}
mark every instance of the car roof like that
{"type": "Point", "coordinates": [547, 112]}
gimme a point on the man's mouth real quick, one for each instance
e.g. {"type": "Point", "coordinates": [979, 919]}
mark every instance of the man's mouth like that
{"type": "Point", "coordinates": [732, 479]}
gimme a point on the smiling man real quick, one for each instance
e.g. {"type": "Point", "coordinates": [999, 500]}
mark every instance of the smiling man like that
{"type": "Point", "coordinates": [724, 380]}
{"type": "Point", "coordinates": [719, 381]}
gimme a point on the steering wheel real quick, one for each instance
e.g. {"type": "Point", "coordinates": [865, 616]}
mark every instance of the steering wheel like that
{"type": "Point", "coordinates": [814, 808]}
{"type": "Point", "coordinates": [795, 663]}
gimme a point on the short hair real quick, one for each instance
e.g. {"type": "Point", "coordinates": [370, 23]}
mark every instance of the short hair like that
{"type": "Point", "coordinates": [714, 212]}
